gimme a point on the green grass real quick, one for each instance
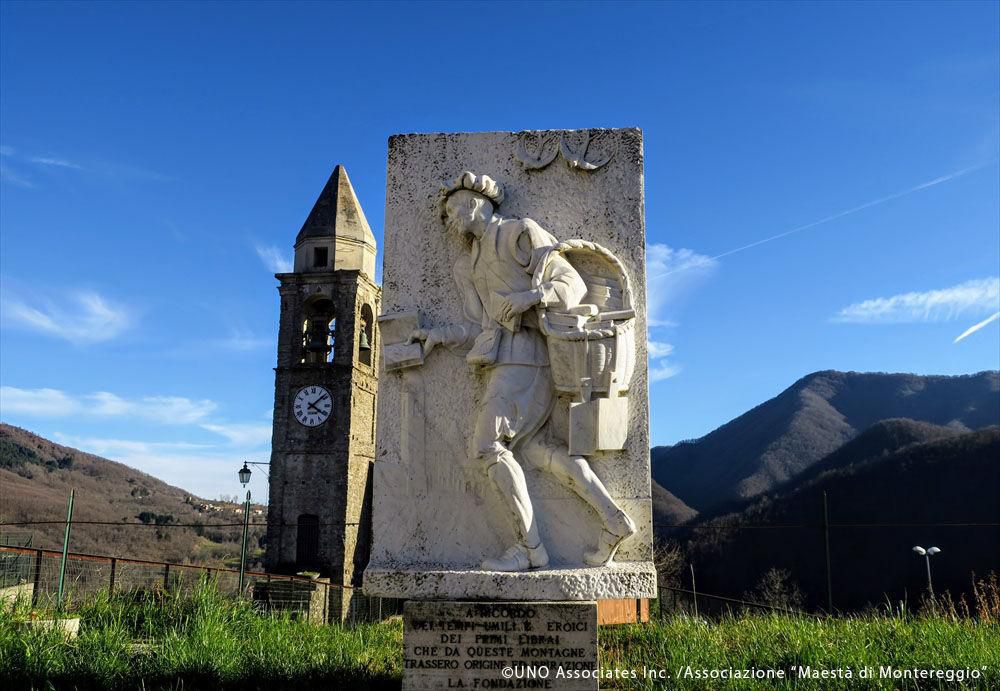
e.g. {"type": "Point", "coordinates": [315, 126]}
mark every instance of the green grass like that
{"type": "Point", "coordinates": [784, 642]}
{"type": "Point", "coordinates": [206, 641]}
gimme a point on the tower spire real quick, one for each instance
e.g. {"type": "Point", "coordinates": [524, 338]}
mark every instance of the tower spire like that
{"type": "Point", "coordinates": [338, 229]}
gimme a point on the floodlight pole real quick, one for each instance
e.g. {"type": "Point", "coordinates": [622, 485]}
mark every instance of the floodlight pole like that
{"type": "Point", "coordinates": [930, 584]}
{"type": "Point", "coordinates": [927, 554]}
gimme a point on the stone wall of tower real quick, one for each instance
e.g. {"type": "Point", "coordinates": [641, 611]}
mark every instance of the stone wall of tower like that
{"type": "Point", "coordinates": [324, 470]}
{"type": "Point", "coordinates": [364, 392]}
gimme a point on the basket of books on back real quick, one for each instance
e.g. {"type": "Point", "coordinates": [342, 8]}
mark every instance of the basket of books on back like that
{"type": "Point", "coordinates": [592, 346]}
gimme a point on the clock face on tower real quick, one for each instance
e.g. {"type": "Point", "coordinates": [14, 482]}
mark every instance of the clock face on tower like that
{"type": "Point", "coordinates": [312, 406]}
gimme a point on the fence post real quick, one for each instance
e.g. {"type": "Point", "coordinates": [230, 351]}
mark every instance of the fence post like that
{"type": "Point", "coordinates": [38, 577]}
{"type": "Point", "coordinates": [62, 566]}
{"type": "Point", "coordinates": [111, 581]}
{"type": "Point", "coordinates": [166, 576]}
{"type": "Point", "coordinates": [826, 540]}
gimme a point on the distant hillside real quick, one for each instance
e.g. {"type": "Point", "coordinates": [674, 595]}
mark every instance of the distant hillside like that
{"type": "Point", "coordinates": [781, 438]}
{"type": "Point", "coordinates": [879, 440]}
{"type": "Point", "coordinates": [952, 478]}
{"type": "Point", "coordinates": [668, 509]}
{"type": "Point", "coordinates": [36, 476]}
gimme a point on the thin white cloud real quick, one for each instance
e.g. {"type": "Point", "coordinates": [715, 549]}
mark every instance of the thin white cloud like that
{"type": "Point", "coordinates": [198, 468]}
{"type": "Point", "coordinates": [14, 178]}
{"type": "Point", "coordinates": [970, 298]}
{"type": "Point", "coordinates": [274, 259]}
{"type": "Point", "coordinates": [115, 447]}
{"type": "Point", "coordinates": [55, 162]}
{"type": "Point", "coordinates": [37, 402]}
{"type": "Point", "coordinates": [242, 434]}
{"type": "Point", "coordinates": [663, 370]}
{"type": "Point", "coordinates": [242, 340]}
{"type": "Point", "coordinates": [672, 275]}
{"type": "Point", "coordinates": [660, 367]}
{"type": "Point", "coordinates": [127, 173]}
{"type": "Point", "coordinates": [174, 410]}
{"type": "Point", "coordinates": [659, 349]}
{"type": "Point", "coordinates": [80, 317]}
{"type": "Point", "coordinates": [976, 327]}
{"type": "Point", "coordinates": [108, 170]}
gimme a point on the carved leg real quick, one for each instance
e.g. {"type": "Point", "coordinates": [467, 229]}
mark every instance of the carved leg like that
{"type": "Point", "coordinates": [576, 473]}
{"type": "Point", "coordinates": [507, 475]}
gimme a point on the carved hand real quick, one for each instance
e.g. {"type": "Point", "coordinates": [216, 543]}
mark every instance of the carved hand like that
{"type": "Point", "coordinates": [516, 303]}
{"type": "Point", "coordinates": [429, 338]}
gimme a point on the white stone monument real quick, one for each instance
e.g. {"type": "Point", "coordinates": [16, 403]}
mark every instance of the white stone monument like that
{"type": "Point", "coordinates": [512, 459]}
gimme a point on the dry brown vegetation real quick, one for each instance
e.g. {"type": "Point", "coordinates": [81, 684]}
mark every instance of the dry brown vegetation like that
{"type": "Point", "coordinates": [36, 476]}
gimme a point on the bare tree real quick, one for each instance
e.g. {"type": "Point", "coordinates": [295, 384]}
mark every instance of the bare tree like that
{"type": "Point", "coordinates": [777, 589]}
{"type": "Point", "coordinates": [669, 561]}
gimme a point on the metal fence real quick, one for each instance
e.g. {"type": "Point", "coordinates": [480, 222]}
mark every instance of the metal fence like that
{"type": "Point", "coordinates": [672, 601]}
{"type": "Point", "coordinates": [34, 574]}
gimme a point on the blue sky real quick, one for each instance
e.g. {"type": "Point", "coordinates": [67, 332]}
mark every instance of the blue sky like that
{"type": "Point", "coordinates": [158, 160]}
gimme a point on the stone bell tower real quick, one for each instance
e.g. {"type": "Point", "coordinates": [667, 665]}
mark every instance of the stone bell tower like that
{"type": "Point", "coordinates": [323, 441]}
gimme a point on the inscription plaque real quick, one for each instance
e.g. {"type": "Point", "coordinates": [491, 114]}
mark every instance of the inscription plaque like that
{"type": "Point", "coordinates": [499, 645]}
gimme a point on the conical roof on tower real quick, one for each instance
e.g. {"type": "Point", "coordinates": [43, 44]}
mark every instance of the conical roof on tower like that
{"type": "Point", "coordinates": [337, 219]}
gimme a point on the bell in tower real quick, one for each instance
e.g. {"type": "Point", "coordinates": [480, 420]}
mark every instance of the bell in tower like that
{"type": "Point", "coordinates": [326, 381]}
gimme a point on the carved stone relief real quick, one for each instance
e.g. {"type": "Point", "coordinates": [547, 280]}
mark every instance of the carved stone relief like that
{"type": "Point", "coordinates": [538, 324]}
{"type": "Point", "coordinates": [512, 457]}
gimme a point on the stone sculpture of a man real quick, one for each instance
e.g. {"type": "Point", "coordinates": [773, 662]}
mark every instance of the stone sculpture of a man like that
{"type": "Point", "coordinates": [501, 331]}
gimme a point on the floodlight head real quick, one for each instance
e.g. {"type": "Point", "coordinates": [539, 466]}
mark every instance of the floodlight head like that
{"type": "Point", "coordinates": [933, 550]}
{"type": "Point", "coordinates": [920, 550]}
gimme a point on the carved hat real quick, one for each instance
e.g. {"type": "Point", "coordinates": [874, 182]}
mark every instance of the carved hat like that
{"type": "Point", "coordinates": [480, 184]}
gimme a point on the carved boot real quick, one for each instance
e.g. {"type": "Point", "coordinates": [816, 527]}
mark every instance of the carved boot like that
{"type": "Point", "coordinates": [519, 558]}
{"type": "Point", "coordinates": [612, 536]}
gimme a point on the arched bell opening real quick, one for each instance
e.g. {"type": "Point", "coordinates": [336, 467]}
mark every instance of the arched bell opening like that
{"type": "Point", "coordinates": [366, 336]}
{"type": "Point", "coordinates": [319, 331]}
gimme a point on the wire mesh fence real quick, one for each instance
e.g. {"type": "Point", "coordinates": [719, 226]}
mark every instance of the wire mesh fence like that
{"type": "Point", "coordinates": [33, 575]}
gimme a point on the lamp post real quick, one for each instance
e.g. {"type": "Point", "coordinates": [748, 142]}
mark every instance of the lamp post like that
{"type": "Point", "coordinates": [927, 554]}
{"type": "Point", "coordinates": [244, 475]}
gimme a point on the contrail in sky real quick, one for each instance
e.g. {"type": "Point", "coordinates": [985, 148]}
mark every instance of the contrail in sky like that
{"type": "Point", "coordinates": [976, 327]}
{"type": "Point", "coordinates": [841, 214]}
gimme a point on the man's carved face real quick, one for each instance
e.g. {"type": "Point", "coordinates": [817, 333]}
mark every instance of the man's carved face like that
{"type": "Point", "coordinates": [467, 212]}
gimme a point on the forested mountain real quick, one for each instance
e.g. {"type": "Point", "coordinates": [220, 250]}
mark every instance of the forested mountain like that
{"type": "Point", "coordinates": [901, 483]}
{"type": "Point", "coordinates": [781, 438]}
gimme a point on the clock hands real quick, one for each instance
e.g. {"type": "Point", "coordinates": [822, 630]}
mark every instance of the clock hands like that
{"type": "Point", "coordinates": [313, 404]}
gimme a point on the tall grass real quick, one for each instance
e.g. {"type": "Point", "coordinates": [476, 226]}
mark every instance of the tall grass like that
{"type": "Point", "coordinates": [790, 642]}
{"type": "Point", "coordinates": [204, 640]}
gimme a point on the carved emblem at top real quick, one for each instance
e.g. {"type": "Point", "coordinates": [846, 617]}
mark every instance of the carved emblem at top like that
{"type": "Point", "coordinates": [582, 149]}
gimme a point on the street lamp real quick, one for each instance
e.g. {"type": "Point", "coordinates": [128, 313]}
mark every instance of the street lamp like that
{"type": "Point", "coordinates": [927, 554]}
{"type": "Point", "coordinates": [244, 474]}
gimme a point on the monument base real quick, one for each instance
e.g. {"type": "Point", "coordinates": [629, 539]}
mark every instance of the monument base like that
{"type": "Point", "coordinates": [615, 581]}
{"type": "Point", "coordinates": [500, 645]}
